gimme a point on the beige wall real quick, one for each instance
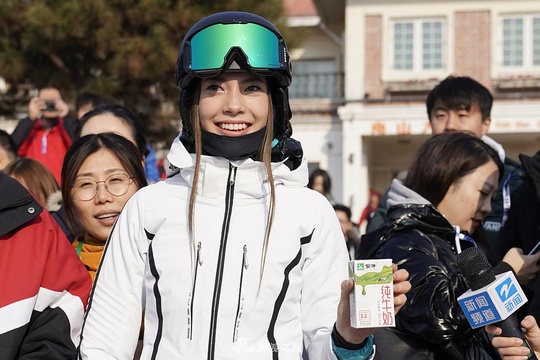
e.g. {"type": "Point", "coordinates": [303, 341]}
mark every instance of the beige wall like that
{"type": "Point", "coordinates": [318, 46]}
{"type": "Point", "coordinates": [472, 46]}
{"type": "Point", "coordinates": [375, 88]}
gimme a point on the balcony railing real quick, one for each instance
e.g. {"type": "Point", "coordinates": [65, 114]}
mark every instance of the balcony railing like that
{"type": "Point", "coordinates": [318, 86]}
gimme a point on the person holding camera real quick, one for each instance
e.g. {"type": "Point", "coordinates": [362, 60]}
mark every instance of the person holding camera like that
{"type": "Point", "coordinates": [47, 132]}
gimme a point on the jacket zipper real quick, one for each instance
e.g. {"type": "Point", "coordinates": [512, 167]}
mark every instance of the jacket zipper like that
{"type": "Point", "coordinates": [240, 305]}
{"type": "Point", "coordinates": [198, 262]}
{"type": "Point", "coordinates": [229, 197]}
{"type": "Point", "coordinates": [44, 141]}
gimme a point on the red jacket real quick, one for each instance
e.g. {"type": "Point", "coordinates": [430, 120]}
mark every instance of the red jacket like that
{"type": "Point", "coordinates": [44, 287]}
{"type": "Point", "coordinates": [47, 146]}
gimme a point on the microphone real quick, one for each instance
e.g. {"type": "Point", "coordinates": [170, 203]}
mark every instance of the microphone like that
{"type": "Point", "coordinates": [491, 299]}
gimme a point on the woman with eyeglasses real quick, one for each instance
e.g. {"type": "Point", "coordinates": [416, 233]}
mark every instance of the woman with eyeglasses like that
{"type": "Point", "coordinates": [100, 173]}
{"type": "Point", "coordinates": [231, 257]}
{"type": "Point", "coordinates": [433, 215]}
{"type": "Point", "coordinates": [122, 121]}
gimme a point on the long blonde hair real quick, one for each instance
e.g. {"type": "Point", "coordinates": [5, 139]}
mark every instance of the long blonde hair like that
{"type": "Point", "coordinates": [266, 151]}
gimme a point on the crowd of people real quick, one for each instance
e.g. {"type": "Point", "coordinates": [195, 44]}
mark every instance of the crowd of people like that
{"type": "Point", "coordinates": [240, 253]}
{"type": "Point", "coordinates": [460, 191]}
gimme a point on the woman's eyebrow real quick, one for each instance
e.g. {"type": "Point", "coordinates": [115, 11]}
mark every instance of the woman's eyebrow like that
{"type": "Point", "coordinates": [109, 171]}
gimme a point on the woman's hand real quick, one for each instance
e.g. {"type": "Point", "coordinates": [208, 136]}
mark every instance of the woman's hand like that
{"type": "Point", "coordinates": [511, 348]}
{"type": "Point", "coordinates": [525, 266]}
{"type": "Point", "coordinates": [343, 323]}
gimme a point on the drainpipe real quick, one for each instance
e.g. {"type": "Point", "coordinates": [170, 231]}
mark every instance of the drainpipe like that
{"type": "Point", "coordinates": [331, 34]}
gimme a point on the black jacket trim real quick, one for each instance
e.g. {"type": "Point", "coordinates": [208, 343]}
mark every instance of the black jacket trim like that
{"type": "Point", "coordinates": [279, 302]}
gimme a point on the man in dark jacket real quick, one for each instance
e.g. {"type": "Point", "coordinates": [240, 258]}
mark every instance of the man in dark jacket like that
{"type": "Point", "coordinates": [463, 104]}
{"type": "Point", "coordinates": [44, 287]}
{"type": "Point", "coordinates": [522, 229]}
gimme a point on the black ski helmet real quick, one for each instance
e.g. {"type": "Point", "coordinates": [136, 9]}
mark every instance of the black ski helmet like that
{"type": "Point", "coordinates": [259, 49]}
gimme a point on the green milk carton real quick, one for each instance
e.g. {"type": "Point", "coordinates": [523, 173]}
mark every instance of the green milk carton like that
{"type": "Point", "coordinates": [372, 300]}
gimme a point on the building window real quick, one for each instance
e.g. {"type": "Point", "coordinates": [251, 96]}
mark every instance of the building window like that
{"type": "Point", "coordinates": [418, 45]}
{"type": "Point", "coordinates": [521, 41]}
{"type": "Point", "coordinates": [432, 45]}
{"type": "Point", "coordinates": [403, 46]}
{"type": "Point", "coordinates": [513, 42]}
{"type": "Point", "coordinates": [316, 79]}
{"type": "Point", "coordinates": [536, 41]}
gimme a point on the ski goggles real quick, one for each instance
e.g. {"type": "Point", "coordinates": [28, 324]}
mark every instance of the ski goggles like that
{"type": "Point", "coordinates": [208, 53]}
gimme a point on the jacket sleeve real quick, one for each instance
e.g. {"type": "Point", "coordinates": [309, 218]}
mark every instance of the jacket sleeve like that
{"type": "Point", "coordinates": [432, 312]}
{"type": "Point", "coordinates": [62, 286]}
{"type": "Point", "coordinates": [70, 125]}
{"type": "Point", "coordinates": [324, 269]}
{"type": "Point", "coordinates": [117, 291]}
{"type": "Point", "coordinates": [517, 223]}
{"type": "Point", "coordinates": [22, 130]}
{"type": "Point", "coordinates": [150, 166]}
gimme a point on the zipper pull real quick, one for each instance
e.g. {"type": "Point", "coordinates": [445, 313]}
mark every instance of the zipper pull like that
{"type": "Point", "coordinates": [44, 142]}
{"type": "Point", "coordinates": [244, 258]}
{"type": "Point", "coordinates": [232, 179]}
{"type": "Point", "coordinates": [199, 253]}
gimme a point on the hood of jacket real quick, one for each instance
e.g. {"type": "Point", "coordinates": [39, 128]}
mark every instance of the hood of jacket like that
{"type": "Point", "coordinates": [54, 201]}
{"type": "Point", "coordinates": [251, 182]}
{"type": "Point", "coordinates": [496, 146]}
{"type": "Point", "coordinates": [407, 210]}
{"type": "Point", "coordinates": [17, 206]}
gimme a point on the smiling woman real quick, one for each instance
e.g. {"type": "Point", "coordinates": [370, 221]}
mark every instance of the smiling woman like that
{"type": "Point", "coordinates": [231, 257]}
{"type": "Point", "coordinates": [234, 104]}
{"type": "Point", "coordinates": [100, 173]}
{"type": "Point", "coordinates": [234, 112]}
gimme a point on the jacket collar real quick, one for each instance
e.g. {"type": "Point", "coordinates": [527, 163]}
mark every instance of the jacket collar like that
{"type": "Point", "coordinates": [406, 208]}
{"type": "Point", "coordinates": [251, 180]}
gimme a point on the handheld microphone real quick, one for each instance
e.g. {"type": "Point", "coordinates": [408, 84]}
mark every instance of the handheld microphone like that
{"type": "Point", "coordinates": [491, 299]}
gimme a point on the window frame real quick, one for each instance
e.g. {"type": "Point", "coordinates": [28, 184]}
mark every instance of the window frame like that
{"type": "Point", "coordinates": [312, 89]}
{"type": "Point", "coordinates": [527, 68]}
{"type": "Point", "coordinates": [417, 72]}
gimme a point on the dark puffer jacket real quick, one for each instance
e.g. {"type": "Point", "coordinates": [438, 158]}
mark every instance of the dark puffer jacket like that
{"type": "Point", "coordinates": [522, 229]}
{"type": "Point", "coordinates": [419, 239]}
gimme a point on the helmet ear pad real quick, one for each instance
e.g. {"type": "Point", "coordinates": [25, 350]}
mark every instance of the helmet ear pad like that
{"type": "Point", "coordinates": [282, 109]}
{"type": "Point", "coordinates": [185, 104]}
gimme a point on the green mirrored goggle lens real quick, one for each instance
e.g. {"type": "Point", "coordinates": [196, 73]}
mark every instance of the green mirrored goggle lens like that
{"type": "Point", "coordinates": [210, 46]}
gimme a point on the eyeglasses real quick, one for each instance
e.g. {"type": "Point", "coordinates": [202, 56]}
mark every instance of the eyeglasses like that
{"type": "Point", "coordinates": [116, 184]}
{"type": "Point", "coordinates": [263, 50]}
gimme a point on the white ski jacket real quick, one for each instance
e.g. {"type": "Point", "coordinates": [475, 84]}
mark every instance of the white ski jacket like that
{"type": "Point", "coordinates": [209, 303]}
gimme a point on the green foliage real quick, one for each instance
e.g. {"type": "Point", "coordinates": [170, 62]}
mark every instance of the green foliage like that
{"type": "Point", "coordinates": [122, 49]}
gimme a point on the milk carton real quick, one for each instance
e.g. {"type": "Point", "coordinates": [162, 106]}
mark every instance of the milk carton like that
{"type": "Point", "coordinates": [372, 299]}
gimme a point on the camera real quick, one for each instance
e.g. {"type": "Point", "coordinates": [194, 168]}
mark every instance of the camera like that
{"type": "Point", "coordinates": [50, 105]}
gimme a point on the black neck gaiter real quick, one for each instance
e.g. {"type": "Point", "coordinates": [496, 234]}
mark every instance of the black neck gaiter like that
{"type": "Point", "coordinates": [232, 147]}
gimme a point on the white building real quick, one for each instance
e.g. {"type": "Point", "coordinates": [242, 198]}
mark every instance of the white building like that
{"type": "Point", "coordinates": [392, 53]}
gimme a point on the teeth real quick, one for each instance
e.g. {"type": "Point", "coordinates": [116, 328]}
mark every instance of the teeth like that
{"type": "Point", "coordinates": [233, 127]}
{"type": "Point", "coordinates": [106, 216]}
